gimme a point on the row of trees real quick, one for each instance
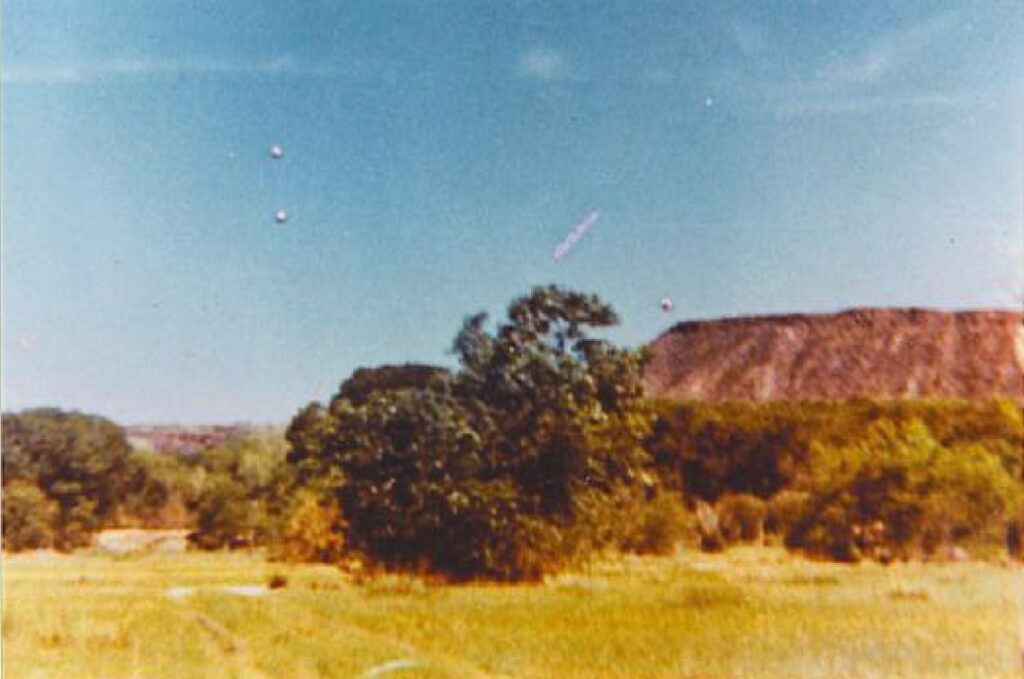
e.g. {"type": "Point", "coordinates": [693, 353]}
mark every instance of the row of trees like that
{"type": "Point", "coordinates": [536, 451]}
{"type": "Point", "coordinates": [851, 479]}
{"type": "Point", "coordinates": [67, 475]}
{"type": "Point", "coordinates": [705, 450]}
{"type": "Point", "coordinates": [523, 459]}
{"type": "Point", "coordinates": [899, 492]}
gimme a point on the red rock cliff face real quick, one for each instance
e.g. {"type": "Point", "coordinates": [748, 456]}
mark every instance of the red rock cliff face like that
{"type": "Point", "coordinates": [880, 353]}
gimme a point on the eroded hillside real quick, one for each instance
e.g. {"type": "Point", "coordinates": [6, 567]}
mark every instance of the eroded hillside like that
{"type": "Point", "coordinates": [880, 353]}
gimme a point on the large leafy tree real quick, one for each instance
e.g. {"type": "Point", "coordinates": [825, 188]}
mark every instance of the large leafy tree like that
{"type": "Point", "coordinates": [561, 412]}
{"type": "Point", "coordinates": [82, 462]}
{"type": "Point", "coordinates": [507, 468]}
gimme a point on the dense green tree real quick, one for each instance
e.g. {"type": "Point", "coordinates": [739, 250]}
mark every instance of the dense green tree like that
{"type": "Point", "coordinates": [523, 459]}
{"type": "Point", "coordinates": [161, 489]}
{"type": "Point", "coordinates": [367, 381]}
{"type": "Point", "coordinates": [706, 450]}
{"type": "Point", "coordinates": [562, 416]}
{"type": "Point", "coordinates": [82, 462]}
{"type": "Point", "coordinates": [29, 517]}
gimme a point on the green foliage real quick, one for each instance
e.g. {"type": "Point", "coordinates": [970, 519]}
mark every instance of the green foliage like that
{"type": "Point", "coordinates": [661, 525]}
{"type": "Point", "coordinates": [366, 381]}
{"type": "Point", "coordinates": [241, 487]}
{"type": "Point", "coordinates": [741, 517]}
{"type": "Point", "coordinates": [161, 490]}
{"type": "Point", "coordinates": [899, 491]}
{"type": "Point", "coordinates": [81, 462]}
{"type": "Point", "coordinates": [313, 530]}
{"type": "Point", "coordinates": [29, 517]}
{"type": "Point", "coordinates": [224, 514]}
{"type": "Point", "coordinates": [784, 510]}
{"type": "Point", "coordinates": [705, 450]}
{"type": "Point", "coordinates": [509, 468]}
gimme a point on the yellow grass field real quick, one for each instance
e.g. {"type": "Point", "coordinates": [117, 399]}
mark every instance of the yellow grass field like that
{"type": "Point", "coordinates": [749, 613]}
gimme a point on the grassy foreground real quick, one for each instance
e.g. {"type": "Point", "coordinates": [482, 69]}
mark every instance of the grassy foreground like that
{"type": "Point", "coordinates": [749, 613]}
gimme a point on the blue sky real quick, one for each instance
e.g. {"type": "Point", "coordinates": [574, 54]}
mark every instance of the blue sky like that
{"type": "Point", "coordinates": [744, 157]}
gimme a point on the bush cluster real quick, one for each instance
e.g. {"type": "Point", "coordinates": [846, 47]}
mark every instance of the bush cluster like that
{"type": "Point", "coordinates": [846, 480]}
{"type": "Point", "coordinates": [900, 493]}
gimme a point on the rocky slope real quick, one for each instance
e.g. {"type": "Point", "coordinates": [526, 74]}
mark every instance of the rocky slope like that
{"type": "Point", "coordinates": [187, 440]}
{"type": "Point", "coordinates": [880, 353]}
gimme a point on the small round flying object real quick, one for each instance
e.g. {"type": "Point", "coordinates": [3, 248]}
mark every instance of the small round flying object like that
{"type": "Point", "coordinates": [666, 304]}
{"type": "Point", "coordinates": [280, 216]}
{"type": "Point", "coordinates": [276, 151]}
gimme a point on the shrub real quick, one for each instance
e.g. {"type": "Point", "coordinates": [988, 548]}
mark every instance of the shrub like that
{"type": "Point", "coordinates": [241, 489]}
{"type": "Point", "coordinates": [78, 523]}
{"type": "Point", "coordinates": [29, 517]}
{"type": "Point", "coordinates": [783, 510]}
{"type": "Point", "coordinates": [224, 514]}
{"type": "Point", "coordinates": [741, 517]}
{"type": "Point", "coordinates": [313, 530]}
{"type": "Point", "coordinates": [899, 491]}
{"type": "Point", "coordinates": [662, 524]}
{"type": "Point", "coordinates": [829, 534]}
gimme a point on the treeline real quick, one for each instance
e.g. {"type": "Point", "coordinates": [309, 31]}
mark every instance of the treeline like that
{"type": "Point", "coordinates": [861, 478]}
{"type": "Point", "coordinates": [536, 452]}
{"type": "Point", "coordinates": [67, 475]}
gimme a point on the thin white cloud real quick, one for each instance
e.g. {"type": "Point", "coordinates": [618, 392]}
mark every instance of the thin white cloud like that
{"type": "Point", "coordinates": [886, 53]}
{"type": "Point", "coordinates": [541, 63]}
{"type": "Point", "coordinates": [87, 71]}
{"type": "Point", "coordinates": [856, 81]}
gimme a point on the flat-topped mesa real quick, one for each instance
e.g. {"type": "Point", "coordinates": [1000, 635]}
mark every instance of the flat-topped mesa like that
{"type": "Point", "coordinates": [870, 352]}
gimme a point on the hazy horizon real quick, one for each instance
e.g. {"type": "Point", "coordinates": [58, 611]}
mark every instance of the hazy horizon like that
{"type": "Point", "coordinates": [743, 160]}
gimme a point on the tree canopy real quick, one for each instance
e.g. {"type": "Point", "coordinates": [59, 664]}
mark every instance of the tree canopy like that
{"type": "Point", "coordinates": [81, 462]}
{"type": "Point", "coordinates": [514, 464]}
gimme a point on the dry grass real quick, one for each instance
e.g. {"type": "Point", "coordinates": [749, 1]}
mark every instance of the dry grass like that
{"type": "Point", "coordinates": [747, 613]}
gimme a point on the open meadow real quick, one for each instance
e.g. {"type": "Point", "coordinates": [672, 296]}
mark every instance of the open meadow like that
{"type": "Point", "coordinates": [752, 612]}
